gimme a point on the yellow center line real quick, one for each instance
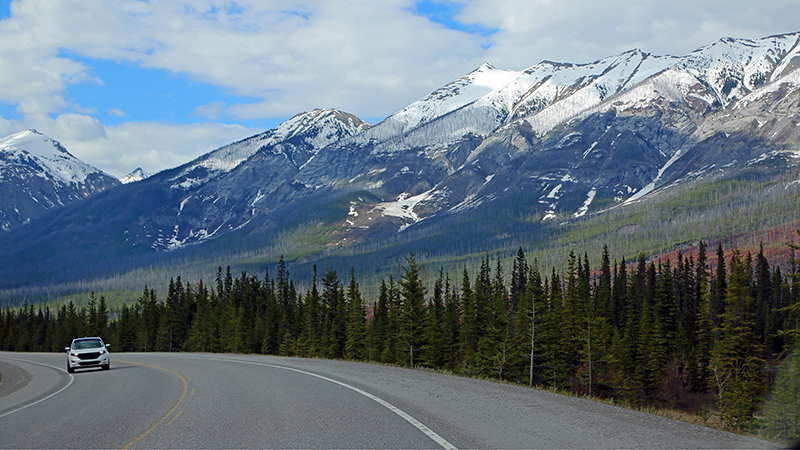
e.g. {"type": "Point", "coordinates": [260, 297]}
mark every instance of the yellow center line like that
{"type": "Point", "coordinates": [183, 394]}
{"type": "Point", "coordinates": [192, 392]}
{"type": "Point", "coordinates": [176, 416]}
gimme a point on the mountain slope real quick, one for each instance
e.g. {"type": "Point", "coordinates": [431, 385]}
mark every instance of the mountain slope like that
{"type": "Point", "coordinates": [455, 140]}
{"type": "Point", "coordinates": [225, 189]}
{"type": "Point", "coordinates": [37, 173]}
{"type": "Point", "coordinates": [530, 150]}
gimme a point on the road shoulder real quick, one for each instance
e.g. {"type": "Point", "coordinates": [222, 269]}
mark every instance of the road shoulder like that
{"type": "Point", "coordinates": [13, 378]}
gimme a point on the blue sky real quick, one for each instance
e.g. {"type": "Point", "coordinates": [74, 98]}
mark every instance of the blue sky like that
{"type": "Point", "coordinates": [127, 83]}
{"type": "Point", "coordinates": [122, 92]}
{"type": "Point", "coordinates": [128, 92]}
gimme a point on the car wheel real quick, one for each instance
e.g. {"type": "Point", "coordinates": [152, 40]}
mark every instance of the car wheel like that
{"type": "Point", "coordinates": [70, 369]}
{"type": "Point", "coordinates": [106, 367]}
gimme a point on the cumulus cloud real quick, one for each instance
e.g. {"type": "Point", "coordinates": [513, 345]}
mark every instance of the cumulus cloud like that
{"type": "Point", "coordinates": [77, 127]}
{"type": "Point", "coordinates": [586, 30]}
{"type": "Point", "coordinates": [151, 146]}
{"type": "Point", "coordinates": [120, 149]}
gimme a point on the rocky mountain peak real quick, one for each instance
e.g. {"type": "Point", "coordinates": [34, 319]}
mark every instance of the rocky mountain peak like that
{"type": "Point", "coordinates": [137, 175]}
{"type": "Point", "coordinates": [37, 173]}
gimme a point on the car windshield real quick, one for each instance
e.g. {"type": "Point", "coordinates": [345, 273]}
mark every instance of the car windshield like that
{"type": "Point", "coordinates": [87, 343]}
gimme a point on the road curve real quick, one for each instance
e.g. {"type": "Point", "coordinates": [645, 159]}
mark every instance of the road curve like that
{"type": "Point", "coordinates": [158, 400]}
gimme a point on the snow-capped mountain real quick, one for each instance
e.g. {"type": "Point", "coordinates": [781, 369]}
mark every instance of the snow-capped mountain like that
{"type": "Point", "coordinates": [137, 175]}
{"type": "Point", "coordinates": [581, 135]}
{"type": "Point", "coordinates": [37, 173]}
{"type": "Point", "coordinates": [556, 141]}
{"type": "Point", "coordinates": [223, 190]}
{"type": "Point", "coordinates": [606, 132]}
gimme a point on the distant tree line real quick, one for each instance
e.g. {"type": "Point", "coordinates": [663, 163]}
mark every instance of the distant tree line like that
{"type": "Point", "coordinates": [667, 333]}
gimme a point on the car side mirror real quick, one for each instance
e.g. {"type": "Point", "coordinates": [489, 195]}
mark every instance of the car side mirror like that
{"type": "Point", "coordinates": [66, 349]}
{"type": "Point", "coordinates": [108, 345]}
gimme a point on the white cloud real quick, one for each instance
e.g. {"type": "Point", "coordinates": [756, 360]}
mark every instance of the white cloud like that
{"type": "Point", "coordinates": [151, 146]}
{"type": "Point", "coordinates": [77, 127]}
{"type": "Point", "coordinates": [586, 30]}
{"type": "Point", "coordinates": [212, 110]}
{"type": "Point", "coordinates": [120, 149]}
{"type": "Point", "coordinates": [293, 56]}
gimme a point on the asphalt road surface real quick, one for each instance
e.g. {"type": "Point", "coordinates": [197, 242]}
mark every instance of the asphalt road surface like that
{"type": "Point", "coordinates": [186, 400]}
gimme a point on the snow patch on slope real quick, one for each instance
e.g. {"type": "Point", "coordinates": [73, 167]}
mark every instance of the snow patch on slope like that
{"type": "Point", "coordinates": [589, 199]}
{"type": "Point", "coordinates": [403, 207]}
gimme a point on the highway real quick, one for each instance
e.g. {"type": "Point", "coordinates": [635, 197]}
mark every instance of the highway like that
{"type": "Point", "coordinates": [187, 400]}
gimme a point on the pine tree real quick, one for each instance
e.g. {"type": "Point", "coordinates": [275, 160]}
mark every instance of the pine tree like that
{"type": "Point", "coordinates": [619, 296]}
{"type": "Point", "coordinates": [412, 295]}
{"type": "Point", "coordinates": [451, 325]}
{"type": "Point", "coordinates": [555, 331]}
{"type": "Point", "coordinates": [334, 333]}
{"type": "Point", "coordinates": [665, 330]}
{"type": "Point", "coordinates": [699, 367]}
{"type": "Point", "coordinates": [354, 344]}
{"type": "Point", "coordinates": [495, 346]}
{"type": "Point", "coordinates": [782, 410]}
{"type": "Point", "coordinates": [531, 305]}
{"type": "Point", "coordinates": [719, 287]}
{"type": "Point", "coordinates": [790, 333]}
{"type": "Point", "coordinates": [434, 351]}
{"type": "Point", "coordinates": [380, 317]}
{"type": "Point", "coordinates": [735, 359]}
{"type": "Point", "coordinates": [92, 325]}
{"type": "Point", "coordinates": [391, 350]}
{"type": "Point", "coordinates": [469, 323]}
{"type": "Point", "coordinates": [310, 332]}
{"type": "Point", "coordinates": [150, 312]}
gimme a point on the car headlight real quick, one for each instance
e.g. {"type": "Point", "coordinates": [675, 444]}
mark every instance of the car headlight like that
{"type": "Point", "coordinates": [102, 352]}
{"type": "Point", "coordinates": [74, 354]}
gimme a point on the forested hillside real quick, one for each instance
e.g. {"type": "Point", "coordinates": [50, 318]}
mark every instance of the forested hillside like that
{"type": "Point", "coordinates": [680, 332]}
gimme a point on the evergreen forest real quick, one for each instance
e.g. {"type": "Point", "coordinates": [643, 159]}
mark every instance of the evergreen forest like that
{"type": "Point", "coordinates": [705, 335]}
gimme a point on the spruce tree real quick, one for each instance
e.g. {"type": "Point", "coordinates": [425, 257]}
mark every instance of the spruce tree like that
{"type": "Point", "coordinates": [356, 320]}
{"type": "Point", "coordinates": [782, 410]}
{"type": "Point", "coordinates": [412, 294]}
{"type": "Point", "coordinates": [735, 358]}
{"type": "Point", "coordinates": [335, 315]}
{"type": "Point", "coordinates": [434, 351]}
{"type": "Point", "coordinates": [528, 320]}
{"type": "Point", "coordinates": [719, 286]}
{"type": "Point", "coordinates": [555, 332]}
{"type": "Point", "coordinates": [451, 324]}
{"type": "Point", "coordinates": [391, 350]}
{"type": "Point", "coordinates": [311, 329]}
{"type": "Point", "coordinates": [469, 323]}
{"type": "Point", "coordinates": [380, 317]}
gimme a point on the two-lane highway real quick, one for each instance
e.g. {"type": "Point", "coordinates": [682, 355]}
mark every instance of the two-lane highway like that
{"type": "Point", "coordinates": [157, 400]}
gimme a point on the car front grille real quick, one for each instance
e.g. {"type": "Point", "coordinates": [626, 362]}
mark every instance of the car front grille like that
{"type": "Point", "coordinates": [93, 355]}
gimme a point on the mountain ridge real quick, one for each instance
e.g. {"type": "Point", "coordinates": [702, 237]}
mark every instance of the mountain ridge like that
{"type": "Point", "coordinates": [557, 141]}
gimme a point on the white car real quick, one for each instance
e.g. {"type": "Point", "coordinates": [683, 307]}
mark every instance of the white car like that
{"type": "Point", "coordinates": [87, 352]}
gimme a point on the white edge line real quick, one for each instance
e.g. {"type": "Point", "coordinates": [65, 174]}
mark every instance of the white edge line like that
{"type": "Point", "coordinates": [408, 418]}
{"type": "Point", "coordinates": [71, 379]}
